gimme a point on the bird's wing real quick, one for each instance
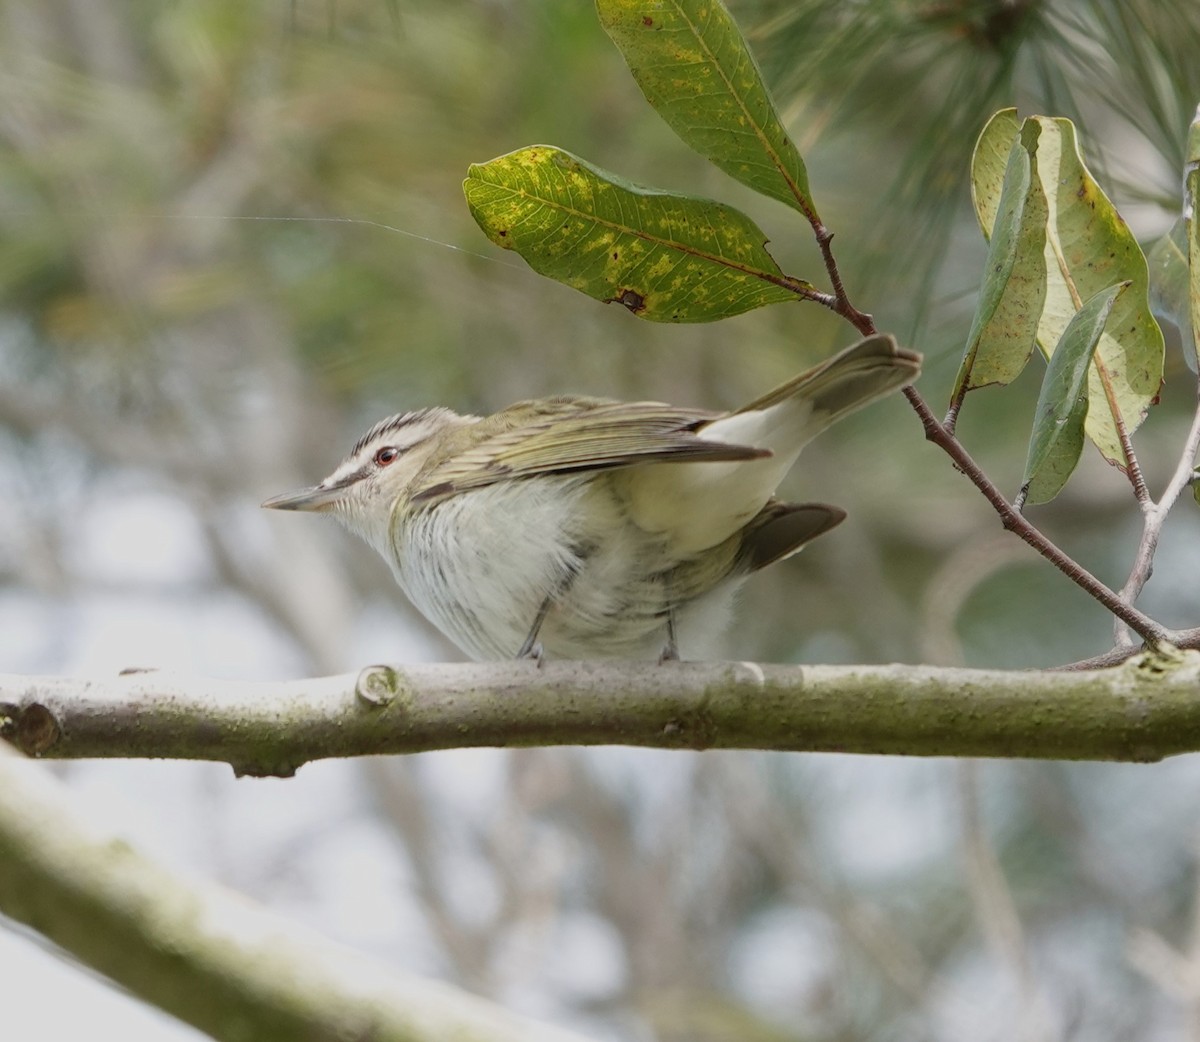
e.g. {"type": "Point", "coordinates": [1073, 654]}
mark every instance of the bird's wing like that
{"type": "Point", "coordinates": [561, 435]}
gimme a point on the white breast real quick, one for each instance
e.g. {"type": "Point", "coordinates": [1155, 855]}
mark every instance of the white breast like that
{"type": "Point", "coordinates": [481, 564]}
{"type": "Point", "coordinates": [478, 564]}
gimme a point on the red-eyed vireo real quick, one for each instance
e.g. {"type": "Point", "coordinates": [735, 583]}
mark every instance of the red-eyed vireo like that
{"type": "Point", "coordinates": [588, 528]}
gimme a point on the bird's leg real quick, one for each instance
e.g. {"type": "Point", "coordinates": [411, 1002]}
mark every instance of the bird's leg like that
{"type": "Point", "coordinates": [670, 651]}
{"type": "Point", "coordinates": [532, 648]}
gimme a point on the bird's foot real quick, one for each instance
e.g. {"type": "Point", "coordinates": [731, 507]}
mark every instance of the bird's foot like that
{"type": "Point", "coordinates": [532, 650]}
{"type": "Point", "coordinates": [670, 651]}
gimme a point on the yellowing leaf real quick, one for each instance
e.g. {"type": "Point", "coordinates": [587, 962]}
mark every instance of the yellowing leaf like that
{"type": "Point", "coordinates": [669, 258]}
{"type": "Point", "coordinates": [1088, 248]}
{"type": "Point", "coordinates": [989, 162]}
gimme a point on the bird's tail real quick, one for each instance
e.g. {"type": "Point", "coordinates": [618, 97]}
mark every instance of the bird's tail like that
{"type": "Point", "coordinates": [787, 418]}
{"type": "Point", "coordinates": [702, 503]}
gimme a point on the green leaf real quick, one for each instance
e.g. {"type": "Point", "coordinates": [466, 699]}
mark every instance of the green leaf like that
{"type": "Point", "coordinates": [669, 258]}
{"type": "Point", "coordinates": [1171, 285]}
{"type": "Point", "coordinates": [989, 163]}
{"type": "Point", "coordinates": [1191, 202]}
{"type": "Point", "coordinates": [1089, 248]}
{"type": "Point", "coordinates": [1062, 407]}
{"type": "Point", "coordinates": [693, 65]}
{"type": "Point", "coordinates": [1014, 286]}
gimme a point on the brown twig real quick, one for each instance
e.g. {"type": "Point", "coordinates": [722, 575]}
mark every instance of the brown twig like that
{"type": "Point", "coordinates": [943, 437]}
{"type": "Point", "coordinates": [1183, 639]}
{"type": "Point", "coordinates": [951, 418]}
{"type": "Point", "coordinates": [841, 305]}
{"type": "Point", "coordinates": [1149, 630]}
{"type": "Point", "coordinates": [1133, 469]}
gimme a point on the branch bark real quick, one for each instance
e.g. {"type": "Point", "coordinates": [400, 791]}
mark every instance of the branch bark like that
{"type": "Point", "coordinates": [1141, 710]}
{"type": "Point", "coordinates": [206, 955]}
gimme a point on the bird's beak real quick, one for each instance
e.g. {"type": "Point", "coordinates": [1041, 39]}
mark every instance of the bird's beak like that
{"type": "Point", "coordinates": [319, 497]}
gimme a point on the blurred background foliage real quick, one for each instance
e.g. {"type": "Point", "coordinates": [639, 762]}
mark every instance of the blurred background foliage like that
{"type": "Point", "coordinates": [232, 236]}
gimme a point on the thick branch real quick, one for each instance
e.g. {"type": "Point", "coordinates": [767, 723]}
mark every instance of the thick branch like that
{"type": "Point", "coordinates": [1144, 709]}
{"type": "Point", "coordinates": [204, 954]}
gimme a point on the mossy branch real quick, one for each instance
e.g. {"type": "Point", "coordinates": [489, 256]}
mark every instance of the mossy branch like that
{"type": "Point", "coordinates": [1143, 709]}
{"type": "Point", "coordinates": [207, 955]}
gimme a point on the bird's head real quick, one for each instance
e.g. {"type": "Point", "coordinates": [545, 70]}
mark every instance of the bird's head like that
{"type": "Point", "coordinates": [366, 487]}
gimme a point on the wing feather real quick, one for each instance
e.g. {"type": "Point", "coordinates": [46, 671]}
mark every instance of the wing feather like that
{"type": "Point", "coordinates": [562, 435]}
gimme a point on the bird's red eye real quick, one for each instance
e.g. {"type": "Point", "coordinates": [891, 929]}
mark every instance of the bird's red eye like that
{"type": "Point", "coordinates": [386, 455]}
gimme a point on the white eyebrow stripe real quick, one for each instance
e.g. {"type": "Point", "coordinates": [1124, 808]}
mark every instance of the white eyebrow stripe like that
{"type": "Point", "coordinates": [396, 423]}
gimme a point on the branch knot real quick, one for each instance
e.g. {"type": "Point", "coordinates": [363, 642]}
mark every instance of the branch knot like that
{"type": "Point", "coordinates": [378, 686]}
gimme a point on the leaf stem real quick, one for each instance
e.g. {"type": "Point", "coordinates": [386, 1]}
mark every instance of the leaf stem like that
{"type": "Point", "coordinates": [841, 302]}
{"type": "Point", "coordinates": [1182, 639]}
{"type": "Point", "coordinates": [1133, 469]}
{"type": "Point", "coordinates": [951, 419]}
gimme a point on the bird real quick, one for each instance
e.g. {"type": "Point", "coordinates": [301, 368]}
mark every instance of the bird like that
{"type": "Point", "coordinates": [575, 527]}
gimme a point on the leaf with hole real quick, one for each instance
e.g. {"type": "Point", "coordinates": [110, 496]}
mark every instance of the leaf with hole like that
{"type": "Point", "coordinates": [694, 67]}
{"type": "Point", "coordinates": [664, 257]}
{"type": "Point", "coordinates": [1062, 408]}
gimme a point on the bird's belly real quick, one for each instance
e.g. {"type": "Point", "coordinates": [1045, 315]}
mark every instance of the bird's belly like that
{"type": "Point", "coordinates": [482, 565]}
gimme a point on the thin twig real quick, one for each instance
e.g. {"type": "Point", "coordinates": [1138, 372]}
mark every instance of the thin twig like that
{"type": "Point", "coordinates": [407, 810]}
{"type": "Point", "coordinates": [1149, 630]}
{"type": "Point", "coordinates": [1182, 639]}
{"type": "Point", "coordinates": [841, 303]}
{"type": "Point", "coordinates": [1013, 520]}
{"type": "Point", "coordinates": [1133, 469]}
{"type": "Point", "coordinates": [995, 907]}
{"type": "Point", "coordinates": [762, 825]}
{"type": "Point", "coordinates": [1156, 515]}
